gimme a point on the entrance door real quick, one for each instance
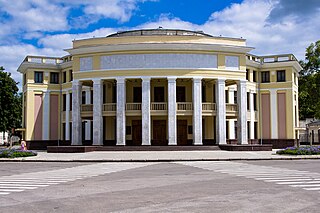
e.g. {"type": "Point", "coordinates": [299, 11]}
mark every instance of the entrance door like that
{"type": "Point", "coordinates": [182, 139]}
{"type": "Point", "coordinates": [159, 133]}
{"type": "Point", "coordinates": [136, 133]}
{"type": "Point", "coordinates": [158, 94]}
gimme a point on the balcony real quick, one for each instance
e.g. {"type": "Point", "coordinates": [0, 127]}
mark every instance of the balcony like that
{"type": "Point", "coordinates": [161, 108]}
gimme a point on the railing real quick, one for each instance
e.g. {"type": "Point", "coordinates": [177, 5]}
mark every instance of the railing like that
{"type": "Point", "coordinates": [86, 108]}
{"type": "Point", "coordinates": [133, 106]}
{"type": "Point", "coordinates": [271, 58]}
{"type": "Point", "coordinates": [111, 107]}
{"type": "Point", "coordinates": [231, 108]}
{"type": "Point", "coordinates": [184, 106]}
{"type": "Point", "coordinates": [43, 60]}
{"type": "Point", "coordinates": [208, 106]}
{"type": "Point", "coordinates": [159, 106]}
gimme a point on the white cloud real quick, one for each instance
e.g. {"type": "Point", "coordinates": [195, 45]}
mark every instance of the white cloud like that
{"type": "Point", "coordinates": [249, 19]}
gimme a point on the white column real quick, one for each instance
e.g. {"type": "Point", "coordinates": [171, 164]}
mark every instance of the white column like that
{"type": "Point", "coordinates": [76, 116]}
{"type": "Point", "coordinates": [242, 112]}
{"type": "Point", "coordinates": [221, 112]}
{"type": "Point", "coordinates": [46, 116]}
{"type": "Point", "coordinates": [97, 112]}
{"type": "Point", "coordinates": [172, 111]}
{"type": "Point", "coordinates": [67, 128]}
{"type": "Point", "coordinates": [121, 111]}
{"type": "Point", "coordinates": [274, 113]}
{"type": "Point", "coordinates": [88, 122]}
{"type": "Point", "coordinates": [231, 121]}
{"type": "Point", "coordinates": [146, 118]}
{"type": "Point", "coordinates": [197, 111]}
{"type": "Point", "coordinates": [252, 117]}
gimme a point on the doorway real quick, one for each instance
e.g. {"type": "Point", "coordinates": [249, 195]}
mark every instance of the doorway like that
{"type": "Point", "coordinates": [182, 133]}
{"type": "Point", "coordinates": [159, 133]}
{"type": "Point", "coordinates": [136, 132]}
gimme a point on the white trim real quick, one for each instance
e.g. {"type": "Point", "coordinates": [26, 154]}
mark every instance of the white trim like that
{"type": "Point", "coordinates": [274, 113]}
{"type": "Point", "coordinates": [46, 115]}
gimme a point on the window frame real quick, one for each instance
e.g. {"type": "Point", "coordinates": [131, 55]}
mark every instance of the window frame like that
{"type": "Point", "coordinates": [265, 77]}
{"type": "Point", "coordinates": [54, 78]}
{"type": "Point", "coordinates": [37, 78]}
{"type": "Point", "coordinates": [281, 76]}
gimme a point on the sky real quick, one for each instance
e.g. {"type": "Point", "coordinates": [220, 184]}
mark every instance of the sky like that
{"type": "Point", "coordinates": [47, 27]}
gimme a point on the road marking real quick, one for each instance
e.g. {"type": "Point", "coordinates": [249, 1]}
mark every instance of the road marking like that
{"type": "Point", "coordinates": [34, 180]}
{"type": "Point", "coordinates": [288, 177]}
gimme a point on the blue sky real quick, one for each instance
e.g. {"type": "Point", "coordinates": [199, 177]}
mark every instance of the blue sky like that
{"type": "Point", "coordinates": [46, 27]}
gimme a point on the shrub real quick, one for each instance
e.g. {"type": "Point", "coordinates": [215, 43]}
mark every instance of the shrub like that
{"type": "Point", "coordinates": [16, 153]}
{"type": "Point", "coordinates": [305, 150]}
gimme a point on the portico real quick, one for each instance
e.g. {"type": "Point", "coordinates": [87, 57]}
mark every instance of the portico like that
{"type": "Point", "coordinates": [159, 111]}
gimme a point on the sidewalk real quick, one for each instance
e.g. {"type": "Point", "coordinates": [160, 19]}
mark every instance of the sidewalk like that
{"type": "Point", "coordinates": [144, 156]}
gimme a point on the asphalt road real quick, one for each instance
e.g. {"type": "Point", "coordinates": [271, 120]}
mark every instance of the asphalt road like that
{"type": "Point", "coordinates": [229, 186]}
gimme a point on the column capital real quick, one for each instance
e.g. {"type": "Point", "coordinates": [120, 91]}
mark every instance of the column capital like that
{"type": "Point", "coordinates": [171, 79]}
{"type": "Point", "coordinates": [251, 91]}
{"type": "Point", "coordinates": [146, 79]}
{"type": "Point", "coordinates": [197, 79]}
{"type": "Point", "coordinates": [97, 81]}
{"type": "Point", "coordinates": [120, 80]}
{"type": "Point", "coordinates": [231, 89]}
{"type": "Point", "coordinates": [77, 82]}
{"type": "Point", "coordinates": [221, 80]}
{"type": "Point", "coordinates": [242, 81]}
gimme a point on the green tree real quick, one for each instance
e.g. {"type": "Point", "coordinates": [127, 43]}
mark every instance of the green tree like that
{"type": "Point", "coordinates": [309, 83]}
{"type": "Point", "coordinates": [10, 102]}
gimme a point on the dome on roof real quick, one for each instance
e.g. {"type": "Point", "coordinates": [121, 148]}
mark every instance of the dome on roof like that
{"type": "Point", "coordinates": [159, 32]}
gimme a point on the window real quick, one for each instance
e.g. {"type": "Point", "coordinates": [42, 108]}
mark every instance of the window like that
{"type": "Point", "coordinates": [54, 78]}
{"type": "Point", "coordinates": [247, 74]}
{"type": "Point", "coordinates": [83, 97]}
{"type": "Point", "coordinates": [248, 100]}
{"type": "Point", "coordinates": [64, 100]}
{"type": "Point", "coordinates": [64, 77]}
{"type": "Point", "coordinates": [137, 94]}
{"type": "Point", "coordinates": [38, 77]}
{"type": "Point", "coordinates": [70, 75]}
{"type": "Point", "coordinates": [254, 76]}
{"type": "Point", "coordinates": [70, 99]}
{"type": "Point", "coordinates": [265, 77]}
{"type": "Point", "coordinates": [281, 76]}
{"type": "Point", "coordinates": [235, 97]}
{"type": "Point", "coordinates": [227, 96]}
{"type": "Point", "coordinates": [255, 101]}
{"type": "Point", "coordinates": [181, 94]}
{"type": "Point", "coordinates": [158, 94]}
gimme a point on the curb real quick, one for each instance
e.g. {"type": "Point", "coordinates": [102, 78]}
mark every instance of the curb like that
{"type": "Point", "coordinates": [154, 160]}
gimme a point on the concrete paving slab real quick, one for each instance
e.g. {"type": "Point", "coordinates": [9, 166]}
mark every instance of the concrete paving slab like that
{"type": "Point", "coordinates": [145, 156]}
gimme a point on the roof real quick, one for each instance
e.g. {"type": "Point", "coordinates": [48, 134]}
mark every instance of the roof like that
{"type": "Point", "coordinates": [159, 31]}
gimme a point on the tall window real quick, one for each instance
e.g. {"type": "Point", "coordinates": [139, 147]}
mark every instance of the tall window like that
{"type": "Point", "coordinates": [281, 76]}
{"type": "Point", "coordinates": [54, 78]}
{"type": "Point", "coordinates": [83, 97]}
{"type": "Point", "coordinates": [254, 76]}
{"type": "Point", "coordinates": [70, 102]}
{"type": "Point", "coordinates": [235, 97]}
{"type": "Point", "coordinates": [248, 100]}
{"type": "Point", "coordinates": [247, 74]}
{"type": "Point", "coordinates": [70, 75]}
{"type": "Point", "coordinates": [64, 97]}
{"type": "Point", "coordinates": [255, 101]}
{"type": "Point", "coordinates": [64, 77]}
{"type": "Point", "coordinates": [265, 77]}
{"type": "Point", "coordinates": [38, 77]}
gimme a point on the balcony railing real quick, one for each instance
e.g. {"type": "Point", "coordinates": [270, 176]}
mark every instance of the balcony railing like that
{"type": "Point", "coordinates": [184, 106]}
{"type": "Point", "coordinates": [43, 60]}
{"type": "Point", "coordinates": [231, 108]}
{"type": "Point", "coordinates": [133, 106]}
{"type": "Point", "coordinates": [86, 108]}
{"type": "Point", "coordinates": [208, 106]}
{"type": "Point", "coordinates": [110, 107]}
{"type": "Point", "coordinates": [159, 106]}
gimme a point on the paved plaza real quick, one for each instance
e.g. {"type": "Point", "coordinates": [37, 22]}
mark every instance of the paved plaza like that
{"type": "Point", "coordinates": [188, 186]}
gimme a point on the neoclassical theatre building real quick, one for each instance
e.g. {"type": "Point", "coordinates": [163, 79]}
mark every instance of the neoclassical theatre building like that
{"type": "Point", "coordinates": [160, 87]}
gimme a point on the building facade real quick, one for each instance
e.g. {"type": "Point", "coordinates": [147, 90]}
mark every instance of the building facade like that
{"type": "Point", "coordinates": [160, 87]}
